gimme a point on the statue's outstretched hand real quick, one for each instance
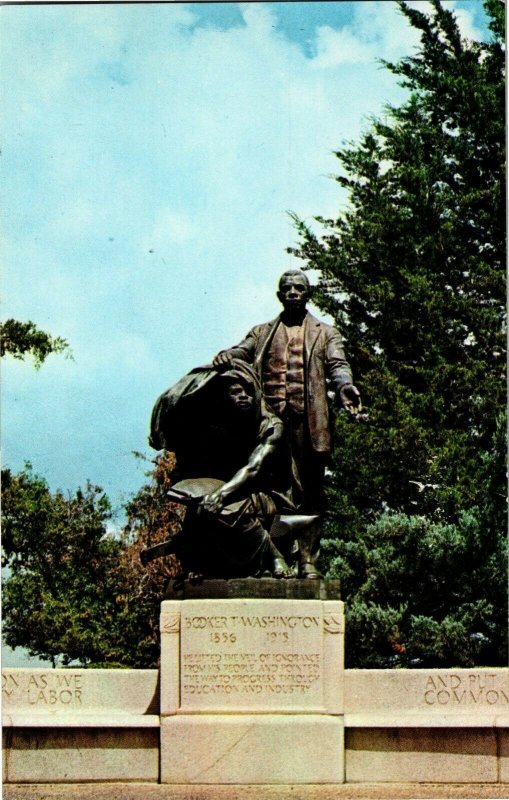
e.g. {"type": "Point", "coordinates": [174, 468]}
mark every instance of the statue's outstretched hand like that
{"type": "Point", "coordinates": [350, 399]}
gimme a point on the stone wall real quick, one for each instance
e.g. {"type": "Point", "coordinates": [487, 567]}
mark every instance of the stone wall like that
{"type": "Point", "coordinates": [447, 726]}
{"type": "Point", "coordinates": [80, 725]}
{"type": "Point", "coordinates": [77, 725]}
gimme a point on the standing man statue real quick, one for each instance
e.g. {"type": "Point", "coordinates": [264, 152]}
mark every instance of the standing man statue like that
{"type": "Point", "coordinates": [299, 359]}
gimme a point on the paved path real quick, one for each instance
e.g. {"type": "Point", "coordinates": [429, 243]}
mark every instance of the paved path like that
{"type": "Point", "coordinates": [360, 791]}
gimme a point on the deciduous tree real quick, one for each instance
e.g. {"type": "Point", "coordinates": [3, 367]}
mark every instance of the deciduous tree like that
{"type": "Point", "coordinates": [75, 590]}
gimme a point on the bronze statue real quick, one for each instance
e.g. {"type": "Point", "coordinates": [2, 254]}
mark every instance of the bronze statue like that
{"type": "Point", "coordinates": [298, 359]}
{"type": "Point", "coordinates": [251, 434]}
{"type": "Point", "coordinates": [226, 442]}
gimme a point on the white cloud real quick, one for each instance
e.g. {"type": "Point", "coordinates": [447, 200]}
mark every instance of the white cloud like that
{"type": "Point", "coordinates": [260, 18]}
{"type": "Point", "coordinates": [466, 24]}
{"type": "Point", "coordinates": [378, 30]}
{"type": "Point", "coordinates": [341, 46]}
{"type": "Point", "coordinates": [464, 16]}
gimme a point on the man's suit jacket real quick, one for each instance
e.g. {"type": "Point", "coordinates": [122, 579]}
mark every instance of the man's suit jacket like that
{"type": "Point", "coordinates": [325, 366]}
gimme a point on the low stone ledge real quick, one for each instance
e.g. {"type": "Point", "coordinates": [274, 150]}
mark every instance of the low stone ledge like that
{"type": "Point", "coordinates": [355, 791]}
{"type": "Point", "coordinates": [423, 720]}
{"type": "Point", "coordinates": [79, 720]}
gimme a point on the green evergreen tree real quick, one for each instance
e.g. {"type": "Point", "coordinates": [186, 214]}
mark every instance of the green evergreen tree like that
{"type": "Point", "coordinates": [414, 276]}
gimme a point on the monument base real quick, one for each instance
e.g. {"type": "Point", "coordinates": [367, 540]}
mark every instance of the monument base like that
{"type": "Point", "coordinates": [252, 687]}
{"type": "Point", "coordinates": [267, 588]}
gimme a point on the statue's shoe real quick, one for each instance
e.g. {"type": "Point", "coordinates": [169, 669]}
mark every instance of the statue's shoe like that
{"type": "Point", "coordinates": [309, 570]}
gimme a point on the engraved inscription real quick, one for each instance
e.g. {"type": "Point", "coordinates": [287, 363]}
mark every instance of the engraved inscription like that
{"type": "Point", "coordinates": [262, 658]}
{"type": "Point", "coordinates": [254, 673]}
{"type": "Point", "coordinates": [241, 622]}
{"type": "Point", "coordinates": [472, 689]}
{"type": "Point", "coordinates": [56, 688]}
{"type": "Point", "coordinates": [261, 655]}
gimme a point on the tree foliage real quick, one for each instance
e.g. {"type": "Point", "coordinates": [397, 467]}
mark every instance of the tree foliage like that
{"type": "Point", "coordinates": [414, 276]}
{"type": "Point", "coordinates": [59, 597]}
{"type": "Point", "coordinates": [151, 519]}
{"type": "Point", "coordinates": [75, 592]}
{"type": "Point", "coordinates": [20, 339]}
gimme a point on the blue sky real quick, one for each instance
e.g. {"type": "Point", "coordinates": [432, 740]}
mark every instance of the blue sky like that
{"type": "Point", "coordinates": [150, 156]}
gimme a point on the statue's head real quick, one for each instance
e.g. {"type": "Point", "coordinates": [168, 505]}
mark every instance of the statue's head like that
{"type": "Point", "coordinates": [294, 290]}
{"type": "Point", "coordinates": [241, 389]}
{"type": "Point", "coordinates": [240, 396]}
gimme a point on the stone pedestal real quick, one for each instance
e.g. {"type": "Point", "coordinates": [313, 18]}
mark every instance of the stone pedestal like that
{"type": "Point", "coordinates": [252, 690]}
